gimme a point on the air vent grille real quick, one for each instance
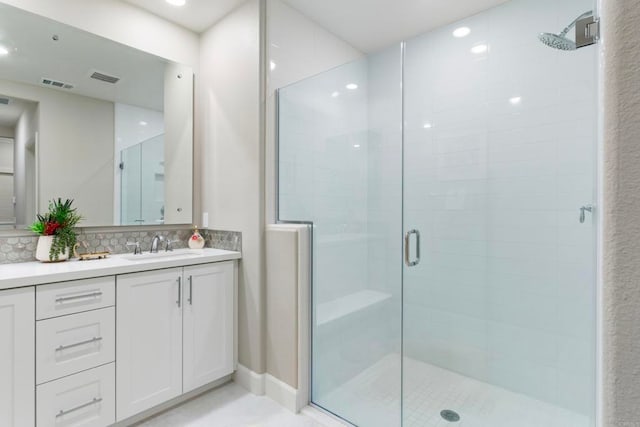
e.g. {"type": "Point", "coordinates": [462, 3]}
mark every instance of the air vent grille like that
{"type": "Point", "coordinates": [56, 83]}
{"type": "Point", "coordinates": [4, 101]}
{"type": "Point", "coordinates": [104, 77]}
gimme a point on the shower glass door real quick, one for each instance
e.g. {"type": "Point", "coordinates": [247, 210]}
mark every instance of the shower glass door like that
{"type": "Point", "coordinates": [340, 168]}
{"type": "Point", "coordinates": [499, 313]}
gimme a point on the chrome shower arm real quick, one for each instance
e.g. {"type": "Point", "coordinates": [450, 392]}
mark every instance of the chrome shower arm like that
{"type": "Point", "coordinates": [575, 21]}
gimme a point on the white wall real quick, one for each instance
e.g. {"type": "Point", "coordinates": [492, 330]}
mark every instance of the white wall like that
{"type": "Point", "coordinates": [231, 158]}
{"type": "Point", "coordinates": [7, 214]}
{"type": "Point", "coordinates": [24, 161]}
{"type": "Point", "coordinates": [75, 149]}
{"type": "Point", "coordinates": [123, 23]}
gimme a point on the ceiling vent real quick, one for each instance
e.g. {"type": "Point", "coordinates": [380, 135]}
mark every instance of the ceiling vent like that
{"type": "Point", "coordinates": [56, 83]}
{"type": "Point", "coordinates": [104, 77]}
{"type": "Point", "coordinates": [4, 101]}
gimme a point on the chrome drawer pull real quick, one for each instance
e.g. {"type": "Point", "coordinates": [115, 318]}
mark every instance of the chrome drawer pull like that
{"type": "Point", "coordinates": [76, 297]}
{"type": "Point", "coordinates": [179, 302]}
{"type": "Point", "coordinates": [62, 413]}
{"type": "Point", "coordinates": [78, 344]}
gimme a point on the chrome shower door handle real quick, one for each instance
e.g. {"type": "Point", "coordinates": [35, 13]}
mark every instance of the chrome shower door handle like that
{"type": "Point", "coordinates": [407, 248]}
{"type": "Point", "coordinates": [583, 209]}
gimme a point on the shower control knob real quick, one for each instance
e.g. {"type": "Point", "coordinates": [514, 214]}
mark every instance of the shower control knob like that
{"type": "Point", "coordinates": [583, 209]}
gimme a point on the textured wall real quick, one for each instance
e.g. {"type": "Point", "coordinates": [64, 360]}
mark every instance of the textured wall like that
{"type": "Point", "coordinates": [621, 209]}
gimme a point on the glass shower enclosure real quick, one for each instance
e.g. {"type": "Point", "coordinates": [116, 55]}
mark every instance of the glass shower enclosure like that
{"type": "Point", "coordinates": [450, 181]}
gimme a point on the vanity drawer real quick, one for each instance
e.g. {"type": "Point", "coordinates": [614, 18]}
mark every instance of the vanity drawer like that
{"type": "Point", "coordinates": [69, 344]}
{"type": "Point", "coordinates": [86, 399]}
{"type": "Point", "coordinates": [59, 299]}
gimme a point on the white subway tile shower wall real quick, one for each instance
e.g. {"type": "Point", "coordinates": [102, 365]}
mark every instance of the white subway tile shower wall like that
{"type": "Point", "coordinates": [323, 175]}
{"type": "Point", "coordinates": [506, 289]}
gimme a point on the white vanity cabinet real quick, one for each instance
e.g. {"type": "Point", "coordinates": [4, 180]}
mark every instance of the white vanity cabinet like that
{"type": "Point", "coordinates": [208, 324]}
{"type": "Point", "coordinates": [175, 333]}
{"type": "Point", "coordinates": [92, 346]}
{"type": "Point", "coordinates": [17, 357]}
{"type": "Point", "coordinates": [149, 340]}
{"type": "Point", "coordinates": [75, 353]}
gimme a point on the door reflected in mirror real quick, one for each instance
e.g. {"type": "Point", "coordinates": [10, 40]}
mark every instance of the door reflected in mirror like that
{"type": "Point", "coordinates": [89, 119]}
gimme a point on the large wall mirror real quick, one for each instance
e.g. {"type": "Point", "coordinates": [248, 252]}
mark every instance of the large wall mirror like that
{"type": "Point", "coordinates": [86, 118]}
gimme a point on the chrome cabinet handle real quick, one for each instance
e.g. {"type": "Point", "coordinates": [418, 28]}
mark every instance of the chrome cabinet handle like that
{"type": "Point", "coordinates": [407, 248]}
{"type": "Point", "coordinates": [62, 412]}
{"type": "Point", "coordinates": [78, 344]}
{"type": "Point", "coordinates": [190, 290]}
{"type": "Point", "coordinates": [583, 209]}
{"type": "Point", "coordinates": [77, 297]}
{"type": "Point", "coordinates": [179, 302]}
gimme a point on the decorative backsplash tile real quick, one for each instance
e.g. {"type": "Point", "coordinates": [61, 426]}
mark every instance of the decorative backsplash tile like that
{"type": "Point", "coordinates": [22, 248]}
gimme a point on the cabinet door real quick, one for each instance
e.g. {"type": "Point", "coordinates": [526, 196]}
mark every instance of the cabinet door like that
{"type": "Point", "coordinates": [17, 357]}
{"type": "Point", "coordinates": [149, 340]}
{"type": "Point", "coordinates": [208, 323]}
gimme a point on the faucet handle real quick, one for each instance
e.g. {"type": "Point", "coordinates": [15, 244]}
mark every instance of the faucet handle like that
{"type": "Point", "coordinates": [137, 249]}
{"type": "Point", "coordinates": [168, 244]}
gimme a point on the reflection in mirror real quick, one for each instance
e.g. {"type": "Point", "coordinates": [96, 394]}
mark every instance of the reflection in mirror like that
{"type": "Point", "coordinates": [18, 129]}
{"type": "Point", "coordinates": [85, 118]}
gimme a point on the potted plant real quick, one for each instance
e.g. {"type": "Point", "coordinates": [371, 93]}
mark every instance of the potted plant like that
{"type": "Point", "coordinates": [55, 228]}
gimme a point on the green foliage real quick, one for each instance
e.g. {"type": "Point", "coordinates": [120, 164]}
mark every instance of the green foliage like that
{"type": "Point", "coordinates": [38, 226]}
{"type": "Point", "coordinates": [59, 223]}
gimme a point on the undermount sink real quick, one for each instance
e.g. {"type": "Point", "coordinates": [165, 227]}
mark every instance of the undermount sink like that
{"type": "Point", "coordinates": [177, 253]}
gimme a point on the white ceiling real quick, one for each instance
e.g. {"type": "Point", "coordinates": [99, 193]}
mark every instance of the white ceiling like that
{"type": "Point", "coordinates": [196, 15]}
{"type": "Point", "coordinates": [370, 25]}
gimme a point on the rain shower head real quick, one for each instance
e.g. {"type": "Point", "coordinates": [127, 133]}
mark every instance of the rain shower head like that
{"type": "Point", "coordinates": [557, 42]}
{"type": "Point", "coordinates": [560, 41]}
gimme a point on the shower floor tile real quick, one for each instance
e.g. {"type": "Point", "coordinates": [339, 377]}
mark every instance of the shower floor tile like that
{"type": "Point", "coordinates": [374, 398]}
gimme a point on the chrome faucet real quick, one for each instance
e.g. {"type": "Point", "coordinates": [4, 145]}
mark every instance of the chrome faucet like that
{"type": "Point", "coordinates": [154, 243]}
{"type": "Point", "coordinates": [169, 244]}
{"type": "Point", "coordinates": [137, 249]}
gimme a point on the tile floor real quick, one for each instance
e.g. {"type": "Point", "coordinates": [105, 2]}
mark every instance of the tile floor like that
{"type": "Point", "coordinates": [233, 406]}
{"type": "Point", "coordinates": [373, 397]}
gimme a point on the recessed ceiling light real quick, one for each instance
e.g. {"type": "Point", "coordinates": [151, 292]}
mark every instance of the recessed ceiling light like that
{"type": "Point", "coordinates": [356, 146]}
{"type": "Point", "coordinates": [4, 50]}
{"type": "Point", "coordinates": [478, 49]}
{"type": "Point", "coordinates": [177, 2]}
{"type": "Point", "coordinates": [335, 94]}
{"type": "Point", "coordinates": [142, 123]}
{"type": "Point", "coordinates": [427, 126]}
{"type": "Point", "coordinates": [462, 32]}
{"type": "Point", "coordinates": [352, 86]}
{"type": "Point", "coordinates": [515, 100]}
{"type": "Point", "coordinates": [272, 65]}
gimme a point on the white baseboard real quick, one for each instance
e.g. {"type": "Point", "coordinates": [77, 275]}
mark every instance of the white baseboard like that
{"type": "Point", "coordinates": [282, 393]}
{"type": "Point", "coordinates": [249, 380]}
{"type": "Point", "coordinates": [261, 384]}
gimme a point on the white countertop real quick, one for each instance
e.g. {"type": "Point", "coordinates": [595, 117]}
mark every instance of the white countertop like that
{"type": "Point", "coordinates": [36, 273]}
